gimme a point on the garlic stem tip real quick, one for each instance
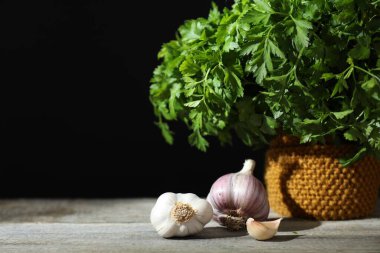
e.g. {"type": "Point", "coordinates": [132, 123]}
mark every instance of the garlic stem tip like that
{"type": "Point", "coordinates": [248, 167]}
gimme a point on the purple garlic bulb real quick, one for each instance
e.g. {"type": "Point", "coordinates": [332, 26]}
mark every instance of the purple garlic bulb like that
{"type": "Point", "coordinates": [235, 197]}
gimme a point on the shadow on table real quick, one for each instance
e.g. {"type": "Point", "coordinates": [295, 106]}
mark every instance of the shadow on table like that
{"type": "Point", "coordinates": [220, 232]}
{"type": "Point", "coordinates": [293, 224]}
{"type": "Point", "coordinates": [214, 233]}
{"type": "Point", "coordinates": [287, 225]}
{"type": "Point", "coordinates": [283, 238]}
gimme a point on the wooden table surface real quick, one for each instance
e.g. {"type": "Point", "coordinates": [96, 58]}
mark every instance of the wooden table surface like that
{"type": "Point", "coordinates": [122, 225]}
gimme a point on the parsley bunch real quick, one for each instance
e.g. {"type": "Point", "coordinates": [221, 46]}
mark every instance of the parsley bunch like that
{"type": "Point", "coordinates": [310, 69]}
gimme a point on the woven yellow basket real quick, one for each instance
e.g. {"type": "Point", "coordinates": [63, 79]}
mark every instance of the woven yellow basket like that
{"type": "Point", "coordinates": [308, 181]}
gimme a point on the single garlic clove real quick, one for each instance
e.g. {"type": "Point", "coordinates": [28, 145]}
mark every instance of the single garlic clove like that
{"type": "Point", "coordinates": [262, 230]}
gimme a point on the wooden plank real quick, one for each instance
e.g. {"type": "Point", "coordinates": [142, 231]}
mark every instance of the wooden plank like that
{"type": "Point", "coordinates": [122, 225]}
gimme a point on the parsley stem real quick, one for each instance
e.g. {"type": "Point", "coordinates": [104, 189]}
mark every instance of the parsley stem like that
{"type": "Point", "coordinates": [204, 89]}
{"type": "Point", "coordinates": [280, 13]}
{"type": "Point", "coordinates": [315, 35]}
{"type": "Point", "coordinates": [299, 56]}
{"type": "Point", "coordinates": [328, 132]}
{"type": "Point", "coordinates": [367, 72]}
{"type": "Point", "coordinates": [204, 79]}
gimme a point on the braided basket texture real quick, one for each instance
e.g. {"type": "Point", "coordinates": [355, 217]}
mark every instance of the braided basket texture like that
{"type": "Point", "coordinates": [308, 181]}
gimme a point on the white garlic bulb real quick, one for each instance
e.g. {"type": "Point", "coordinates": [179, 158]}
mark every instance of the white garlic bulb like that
{"type": "Point", "coordinates": [237, 196]}
{"type": "Point", "coordinates": [262, 230]}
{"type": "Point", "coordinates": [180, 214]}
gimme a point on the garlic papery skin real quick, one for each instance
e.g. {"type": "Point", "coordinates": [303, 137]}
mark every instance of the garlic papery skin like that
{"type": "Point", "coordinates": [237, 196]}
{"type": "Point", "coordinates": [180, 214]}
{"type": "Point", "coordinates": [262, 230]}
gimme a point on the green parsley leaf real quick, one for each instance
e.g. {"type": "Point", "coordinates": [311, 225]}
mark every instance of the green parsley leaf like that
{"type": "Point", "coordinates": [193, 103]}
{"type": "Point", "coordinates": [341, 115]}
{"type": "Point", "coordinates": [259, 68]}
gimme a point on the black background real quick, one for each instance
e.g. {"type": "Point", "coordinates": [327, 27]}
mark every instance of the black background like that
{"type": "Point", "coordinates": [76, 120]}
